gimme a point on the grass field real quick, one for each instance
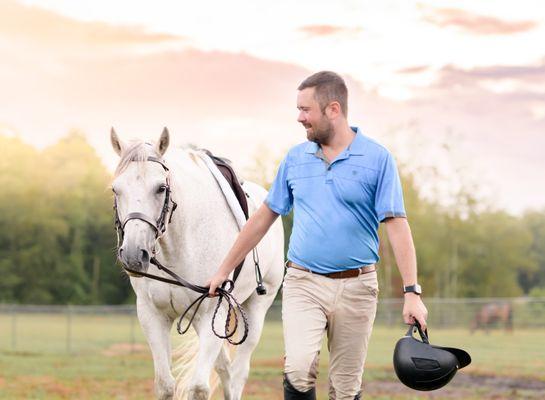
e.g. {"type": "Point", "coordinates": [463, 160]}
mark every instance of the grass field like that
{"type": "Point", "coordinates": [106, 358]}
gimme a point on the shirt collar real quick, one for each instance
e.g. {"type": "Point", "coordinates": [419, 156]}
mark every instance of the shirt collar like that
{"type": "Point", "coordinates": [356, 148]}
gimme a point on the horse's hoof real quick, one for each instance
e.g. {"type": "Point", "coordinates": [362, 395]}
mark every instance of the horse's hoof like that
{"type": "Point", "coordinates": [199, 392]}
{"type": "Point", "coordinates": [165, 391]}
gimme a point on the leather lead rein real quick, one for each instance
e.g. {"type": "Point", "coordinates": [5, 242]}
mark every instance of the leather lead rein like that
{"type": "Point", "coordinates": [233, 306]}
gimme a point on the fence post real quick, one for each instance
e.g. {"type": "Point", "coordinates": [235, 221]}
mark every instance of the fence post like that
{"type": "Point", "coordinates": [68, 329]}
{"type": "Point", "coordinates": [13, 328]}
{"type": "Point", "coordinates": [131, 316]}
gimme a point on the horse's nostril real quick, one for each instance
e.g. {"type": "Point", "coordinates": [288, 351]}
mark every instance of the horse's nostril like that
{"type": "Point", "coordinates": [120, 253]}
{"type": "Point", "coordinates": [145, 256]}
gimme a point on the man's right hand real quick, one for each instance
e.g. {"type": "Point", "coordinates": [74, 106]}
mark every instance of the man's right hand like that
{"type": "Point", "coordinates": [250, 235]}
{"type": "Point", "coordinates": [216, 281]}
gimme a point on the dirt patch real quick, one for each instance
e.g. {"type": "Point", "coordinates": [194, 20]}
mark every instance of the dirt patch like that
{"type": "Point", "coordinates": [503, 382]}
{"type": "Point", "coordinates": [271, 362]}
{"type": "Point", "coordinates": [463, 386]}
{"type": "Point", "coordinates": [48, 387]}
{"type": "Point", "coordinates": [468, 386]}
{"type": "Point", "coordinates": [121, 349]}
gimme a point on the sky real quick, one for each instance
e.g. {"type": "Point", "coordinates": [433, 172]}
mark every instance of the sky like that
{"type": "Point", "coordinates": [455, 89]}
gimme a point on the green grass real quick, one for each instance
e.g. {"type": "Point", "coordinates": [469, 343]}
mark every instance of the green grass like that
{"type": "Point", "coordinates": [97, 362]}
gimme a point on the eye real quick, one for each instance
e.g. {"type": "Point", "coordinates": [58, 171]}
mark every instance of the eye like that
{"type": "Point", "coordinates": [161, 189]}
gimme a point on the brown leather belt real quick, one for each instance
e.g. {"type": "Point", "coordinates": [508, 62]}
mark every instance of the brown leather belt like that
{"type": "Point", "coordinates": [349, 273]}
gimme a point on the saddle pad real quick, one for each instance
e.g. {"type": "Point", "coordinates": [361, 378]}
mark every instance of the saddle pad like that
{"type": "Point", "coordinates": [231, 189]}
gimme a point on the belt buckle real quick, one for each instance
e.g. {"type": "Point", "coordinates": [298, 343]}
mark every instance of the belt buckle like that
{"type": "Point", "coordinates": [363, 270]}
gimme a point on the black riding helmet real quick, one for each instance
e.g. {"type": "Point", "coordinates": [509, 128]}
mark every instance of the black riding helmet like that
{"type": "Point", "coordinates": [422, 366]}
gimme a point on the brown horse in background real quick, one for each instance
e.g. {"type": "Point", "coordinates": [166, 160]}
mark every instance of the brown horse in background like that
{"type": "Point", "coordinates": [493, 313]}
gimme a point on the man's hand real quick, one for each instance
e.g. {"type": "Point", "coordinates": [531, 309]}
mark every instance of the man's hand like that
{"type": "Point", "coordinates": [413, 309]}
{"type": "Point", "coordinates": [216, 281]}
{"type": "Point", "coordinates": [252, 232]}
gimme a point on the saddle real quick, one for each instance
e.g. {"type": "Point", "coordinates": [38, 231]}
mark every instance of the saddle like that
{"type": "Point", "coordinates": [228, 172]}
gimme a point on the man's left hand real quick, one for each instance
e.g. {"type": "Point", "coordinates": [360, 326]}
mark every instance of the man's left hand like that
{"type": "Point", "coordinates": [413, 309]}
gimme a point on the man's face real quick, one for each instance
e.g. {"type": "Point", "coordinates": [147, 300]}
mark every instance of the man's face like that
{"type": "Point", "coordinates": [316, 123]}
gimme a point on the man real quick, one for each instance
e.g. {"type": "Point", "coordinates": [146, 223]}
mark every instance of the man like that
{"type": "Point", "coordinates": [341, 185]}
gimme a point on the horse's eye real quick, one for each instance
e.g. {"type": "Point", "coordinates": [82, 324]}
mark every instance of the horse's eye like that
{"type": "Point", "coordinates": [161, 189]}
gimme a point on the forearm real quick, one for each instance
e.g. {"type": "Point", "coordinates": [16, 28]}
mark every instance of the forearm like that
{"type": "Point", "coordinates": [401, 240]}
{"type": "Point", "coordinates": [251, 234]}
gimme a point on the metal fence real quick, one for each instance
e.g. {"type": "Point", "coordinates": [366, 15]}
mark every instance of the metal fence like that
{"type": "Point", "coordinates": [71, 329]}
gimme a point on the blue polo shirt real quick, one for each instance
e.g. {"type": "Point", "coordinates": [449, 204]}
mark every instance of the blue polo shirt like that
{"type": "Point", "coordinates": [337, 206]}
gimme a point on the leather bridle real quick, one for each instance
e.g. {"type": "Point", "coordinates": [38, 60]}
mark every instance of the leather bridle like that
{"type": "Point", "coordinates": [160, 225]}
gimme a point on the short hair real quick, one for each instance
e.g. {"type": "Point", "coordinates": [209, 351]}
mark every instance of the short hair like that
{"type": "Point", "coordinates": [329, 87]}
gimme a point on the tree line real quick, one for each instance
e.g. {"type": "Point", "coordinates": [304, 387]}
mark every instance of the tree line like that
{"type": "Point", "coordinates": [57, 240]}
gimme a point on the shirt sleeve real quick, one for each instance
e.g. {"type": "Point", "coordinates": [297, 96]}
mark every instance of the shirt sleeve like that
{"type": "Point", "coordinates": [389, 194]}
{"type": "Point", "coordinates": [280, 197]}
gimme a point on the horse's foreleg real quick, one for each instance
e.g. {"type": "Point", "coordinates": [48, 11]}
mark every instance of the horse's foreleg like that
{"type": "Point", "coordinates": [223, 369]}
{"type": "Point", "coordinates": [156, 327]}
{"type": "Point", "coordinates": [209, 349]}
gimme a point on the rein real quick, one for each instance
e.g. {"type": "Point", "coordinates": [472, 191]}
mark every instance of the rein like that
{"type": "Point", "coordinates": [233, 306]}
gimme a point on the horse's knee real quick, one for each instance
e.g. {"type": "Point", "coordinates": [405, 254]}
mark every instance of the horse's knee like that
{"type": "Point", "coordinates": [199, 391]}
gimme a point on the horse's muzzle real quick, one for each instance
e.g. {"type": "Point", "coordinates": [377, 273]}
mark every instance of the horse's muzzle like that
{"type": "Point", "coordinates": [135, 258]}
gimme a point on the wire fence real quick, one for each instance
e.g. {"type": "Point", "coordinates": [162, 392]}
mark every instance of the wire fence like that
{"type": "Point", "coordinates": [76, 329]}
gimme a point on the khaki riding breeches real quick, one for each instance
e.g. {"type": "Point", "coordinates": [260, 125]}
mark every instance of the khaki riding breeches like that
{"type": "Point", "coordinates": [344, 309]}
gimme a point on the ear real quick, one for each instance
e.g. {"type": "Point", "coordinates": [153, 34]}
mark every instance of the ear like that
{"type": "Point", "coordinates": [162, 144]}
{"type": "Point", "coordinates": [333, 109]}
{"type": "Point", "coordinates": [117, 144]}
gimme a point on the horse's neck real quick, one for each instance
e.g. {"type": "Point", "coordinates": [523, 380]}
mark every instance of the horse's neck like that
{"type": "Point", "coordinates": [203, 227]}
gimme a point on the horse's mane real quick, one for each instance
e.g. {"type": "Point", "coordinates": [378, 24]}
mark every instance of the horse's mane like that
{"type": "Point", "coordinates": [137, 151]}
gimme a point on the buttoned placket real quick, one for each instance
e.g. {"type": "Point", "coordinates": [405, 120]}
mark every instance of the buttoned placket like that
{"type": "Point", "coordinates": [329, 165]}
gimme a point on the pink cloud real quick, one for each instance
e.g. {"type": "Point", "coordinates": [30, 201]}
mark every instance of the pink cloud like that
{"type": "Point", "coordinates": [414, 70]}
{"type": "Point", "coordinates": [329, 30]}
{"type": "Point", "coordinates": [40, 26]}
{"type": "Point", "coordinates": [530, 74]}
{"type": "Point", "coordinates": [474, 23]}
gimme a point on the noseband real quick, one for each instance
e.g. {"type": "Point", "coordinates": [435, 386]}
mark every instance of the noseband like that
{"type": "Point", "coordinates": [159, 226]}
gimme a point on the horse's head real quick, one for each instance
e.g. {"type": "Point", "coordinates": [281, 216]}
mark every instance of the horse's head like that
{"type": "Point", "coordinates": [142, 200]}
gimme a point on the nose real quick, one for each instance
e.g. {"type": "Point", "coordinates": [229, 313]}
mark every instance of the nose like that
{"type": "Point", "coordinates": [301, 117]}
{"type": "Point", "coordinates": [144, 256]}
{"type": "Point", "coordinates": [134, 257]}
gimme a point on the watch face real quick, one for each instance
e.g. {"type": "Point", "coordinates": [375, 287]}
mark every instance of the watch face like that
{"type": "Point", "coordinates": [413, 289]}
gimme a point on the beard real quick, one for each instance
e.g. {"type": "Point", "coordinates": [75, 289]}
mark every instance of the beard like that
{"type": "Point", "coordinates": [321, 132]}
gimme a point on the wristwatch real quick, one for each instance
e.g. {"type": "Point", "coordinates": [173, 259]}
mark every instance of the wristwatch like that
{"type": "Point", "coordinates": [416, 289]}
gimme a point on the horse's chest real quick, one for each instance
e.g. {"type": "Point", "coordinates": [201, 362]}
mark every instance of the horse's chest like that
{"type": "Point", "coordinates": [159, 295]}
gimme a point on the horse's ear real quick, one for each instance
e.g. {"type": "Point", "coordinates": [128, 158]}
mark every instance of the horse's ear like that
{"type": "Point", "coordinates": [162, 144]}
{"type": "Point", "coordinates": [117, 144]}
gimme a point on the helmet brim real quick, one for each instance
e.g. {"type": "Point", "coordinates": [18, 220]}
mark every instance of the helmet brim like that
{"type": "Point", "coordinates": [464, 359]}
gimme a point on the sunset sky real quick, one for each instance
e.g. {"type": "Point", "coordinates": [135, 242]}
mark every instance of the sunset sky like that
{"type": "Point", "coordinates": [223, 75]}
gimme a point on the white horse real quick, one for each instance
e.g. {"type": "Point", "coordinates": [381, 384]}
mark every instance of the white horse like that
{"type": "Point", "coordinates": [194, 242]}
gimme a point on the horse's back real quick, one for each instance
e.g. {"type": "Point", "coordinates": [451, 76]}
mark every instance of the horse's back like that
{"type": "Point", "coordinates": [256, 192]}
